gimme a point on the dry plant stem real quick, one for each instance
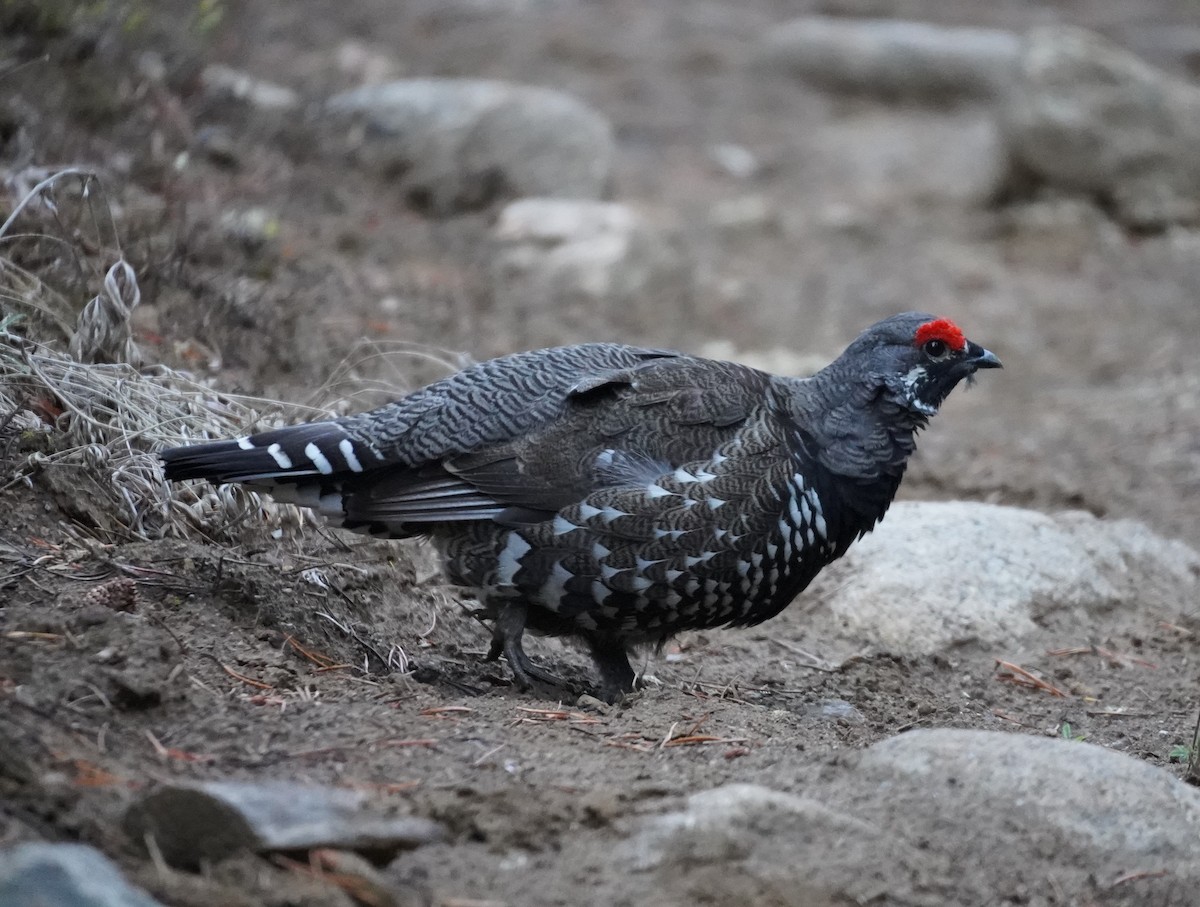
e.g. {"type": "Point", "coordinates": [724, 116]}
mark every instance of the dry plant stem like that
{"type": "Point", "coordinates": [115, 417]}
{"type": "Point", "coordinates": [87, 176]}
{"type": "Point", "coordinates": [1192, 775]}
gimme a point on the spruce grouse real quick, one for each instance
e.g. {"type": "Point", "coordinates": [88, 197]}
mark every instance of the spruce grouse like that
{"type": "Point", "coordinates": [621, 495]}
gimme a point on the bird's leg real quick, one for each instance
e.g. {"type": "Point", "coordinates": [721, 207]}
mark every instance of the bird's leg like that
{"type": "Point", "coordinates": [616, 674]}
{"type": "Point", "coordinates": [507, 632]}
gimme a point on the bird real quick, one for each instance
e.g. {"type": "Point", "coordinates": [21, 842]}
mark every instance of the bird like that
{"type": "Point", "coordinates": [619, 495]}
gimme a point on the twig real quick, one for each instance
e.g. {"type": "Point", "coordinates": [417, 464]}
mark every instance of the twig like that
{"type": "Point", "coordinates": [1175, 628]}
{"type": "Point", "coordinates": [1113, 657]}
{"type": "Point", "coordinates": [1004, 716]}
{"type": "Point", "coordinates": [87, 176]}
{"type": "Point", "coordinates": [321, 661]}
{"type": "Point", "coordinates": [244, 679]}
{"type": "Point", "coordinates": [1138, 876]}
{"type": "Point", "coordinates": [693, 739]}
{"type": "Point", "coordinates": [670, 733]}
{"type": "Point", "coordinates": [337, 748]}
{"type": "Point", "coordinates": [626, 741]}
{"type": "Point", "coordinates": [1021, 677]}
{"type": "Point", "coordinates": [33, 634]}
{"type": "Point", "coordinates": [495, 749]}
{"type": "Point", "coordinates": [811, 661]}
{"type": "Point", "coordinates": [423, 741]}
{"type": "Point", "coordinates": [158, 747]}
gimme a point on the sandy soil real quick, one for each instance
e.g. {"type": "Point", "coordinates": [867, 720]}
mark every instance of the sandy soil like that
{"type": "Point", "coordinates": [218, 670]}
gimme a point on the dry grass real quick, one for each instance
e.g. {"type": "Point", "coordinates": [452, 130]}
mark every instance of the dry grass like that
{"type": "Point", "coordinates": [75, 407]}
{"type": "Point", "coordinates": [109, 419]}
{"type": "Point", "coordinates": [81, 413]}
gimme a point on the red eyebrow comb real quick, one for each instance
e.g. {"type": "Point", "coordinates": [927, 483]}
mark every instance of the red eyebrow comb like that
{"type": "Point", "coordinates": [941, 329]}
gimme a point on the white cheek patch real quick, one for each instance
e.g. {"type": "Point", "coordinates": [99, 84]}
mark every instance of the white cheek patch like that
{"type": "Point", "coordinates": [912, 382]}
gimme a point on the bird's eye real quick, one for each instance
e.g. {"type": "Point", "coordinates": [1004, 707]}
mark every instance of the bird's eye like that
{"type": "Point", "coordinates": [936, 349]}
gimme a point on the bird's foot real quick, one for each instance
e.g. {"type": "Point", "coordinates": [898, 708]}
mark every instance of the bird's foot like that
{"type": "Point", "coordinates": [617, 678]}
{"type": "Point", "coordinates": [507, 635]}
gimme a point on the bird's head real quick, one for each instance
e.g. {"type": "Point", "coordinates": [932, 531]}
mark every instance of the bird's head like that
{"type": "Point", "coordinates": [916, 359]}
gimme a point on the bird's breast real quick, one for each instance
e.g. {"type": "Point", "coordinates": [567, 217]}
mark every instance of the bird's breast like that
{"type": "Point", "coordinates": [730, 540]}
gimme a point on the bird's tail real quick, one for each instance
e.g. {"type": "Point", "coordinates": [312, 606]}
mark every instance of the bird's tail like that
{"type": "Point", "coordinates": [291, 455]}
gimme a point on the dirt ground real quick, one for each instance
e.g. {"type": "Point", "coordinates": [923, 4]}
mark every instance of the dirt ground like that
{"type": "Point", "coordinates": [222, 667]}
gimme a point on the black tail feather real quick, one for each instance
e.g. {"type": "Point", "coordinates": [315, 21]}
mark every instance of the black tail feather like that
{"type": "Point", "coordinates": [320, 449]}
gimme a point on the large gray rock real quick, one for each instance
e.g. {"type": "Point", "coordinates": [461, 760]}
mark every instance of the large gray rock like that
{"type": "Point", "coordinates": [894, 59]}
{"type": "Point", "coordinates": [938, 817]}
{"type": "Point", "coordinates": [1087, 117]}
{"type": "Point", "coordinates": [64, 875]}
{"type": "Point", "coordinates": [226, 83]}
{"type": "Point", "coordinates": [459, 144]}
{"type": "Point", "coordinates": [572, 268]}
{"type": "Point", "coordinates": [194, 823]}
{"type": "Point", "coordinates": [937, 575]}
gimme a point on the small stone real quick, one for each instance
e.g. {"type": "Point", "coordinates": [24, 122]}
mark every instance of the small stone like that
{"type": "Point", "coordinates": [225, 82]}
{"type": "Point", "coordinates": [892, 59]}
{"type": "Point", "coordinates": [462, 144]}
{"type": "Point", "coordinates": [567, 267]}
{"type": "Point", "coordinates": [365, 65]}
{"type": "Point", "coordinates": [735, 161]}
{"type": "Point", "coordinates": [838, 710]}
{"type": "Point", "coordinates": [93, 615]}
{"type": "Point", "coordinates": [746, 214]}
{"type": "Point", "coordinates": [253, 228]}
{"type": "Point", "coordinates": [219, 146]}
{"type": "Point", "coordinates": [192, 823]}
{"type": "Point", "coordinates": [64, 875]}
{"type": "Point", "coordinates": [592, 704]}
{"type": "Point", "coordinates": [108, 655]}
{"type": "Point", "coordinates": [134, 690]}
{"type": "Point", "coordinates": [151, 66]}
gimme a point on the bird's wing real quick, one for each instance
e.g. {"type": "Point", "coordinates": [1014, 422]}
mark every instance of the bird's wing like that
{"type": "Point", "coordinates": [487, 403]}
{"type": "Point", "coordinates": [465, 447]}
{"type": "Point", "coordinates": [611, 427]}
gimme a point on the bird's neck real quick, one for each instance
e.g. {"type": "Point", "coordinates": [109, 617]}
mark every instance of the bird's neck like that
{"type": "Point", "coordinates": [853, 439]}
{"type": "Point", "coordinates": [861, 430]}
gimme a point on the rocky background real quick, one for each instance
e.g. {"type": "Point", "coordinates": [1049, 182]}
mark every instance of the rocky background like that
{"type": "Point", "coordinates": [991, 700]}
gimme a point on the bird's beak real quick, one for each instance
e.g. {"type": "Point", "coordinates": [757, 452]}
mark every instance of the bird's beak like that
{"type": "Point", "coordinates": [978, 357]}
